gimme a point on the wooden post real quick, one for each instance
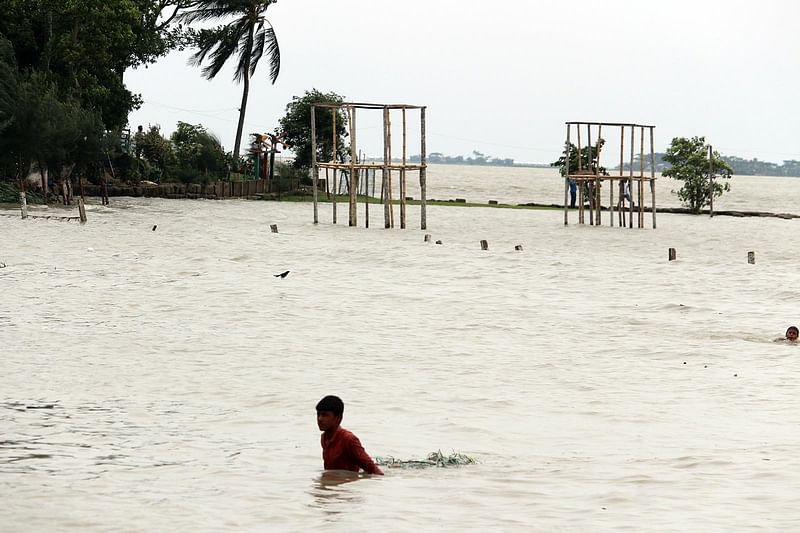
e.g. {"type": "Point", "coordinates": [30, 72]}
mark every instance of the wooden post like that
{"type": "Point", "coordinates": [566, 180]}
{"type": "Point", "coordinates": [590, 184]}
{"type": "Point", "coordinates": [518, 247]}
{"type": "Point", "coordinates": [335, 190]}
{"type": "Point", "coordinates": [597, 175]}
{"type": "Point", "coordinates": [389, 149]}
{"type": "Point", "coordinates": [273, 228]}
{"type": "Point", "coordinates": [427, 237]}
{"type": "Point", "coordinates": [81, 211]}
{"type": "Point", "coordinates": [621, 208]}
{"type": "Point", "coordinates": [314, 165]}
{"type": "Point", "coordinates": [353, 221]}
{"type": "Point", "coordinates": [630, 179]}
{"type": "Point", "coordinates": [672, 254]}
{"type": "Point", "coordinates": [387, 221]}
{"type": "Point", "coordinates": [484, 245]}
{"type": "Point", "coordinates": [403, 177]}
{"type": "Point", "coordinates": [423, 157]}
{"type": "Point", "coordinates": [652, 178]}
{"type": "Point", "coordinates": [711, 180]}
{"type": "Point", "coordinates": [581, 214]}
{"type": "Point", "coordinates": [751, 258]}
{"type": "Point", "coordinates": [23, 201]}
{"type": "Point", "coordinates": [641, 175]}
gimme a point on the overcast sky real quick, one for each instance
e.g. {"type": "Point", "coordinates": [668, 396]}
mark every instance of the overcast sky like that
{"type": "Point", "coordinates": [502, 77]}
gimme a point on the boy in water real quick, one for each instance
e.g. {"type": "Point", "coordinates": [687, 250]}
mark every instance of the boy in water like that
{"type": "Point", "coordinates": [341, 450]}
{"type": "Point", "coordinates": [791, 334]}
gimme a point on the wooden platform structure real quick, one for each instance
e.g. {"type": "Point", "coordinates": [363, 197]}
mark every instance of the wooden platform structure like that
{"type": "Point", "coordinates": [355, 167]}
{"type": "Point", "coordinates": [590, 179]}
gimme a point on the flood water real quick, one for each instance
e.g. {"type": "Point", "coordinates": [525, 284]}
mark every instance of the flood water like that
{"type": "Point", "coordinates": [166, 380]}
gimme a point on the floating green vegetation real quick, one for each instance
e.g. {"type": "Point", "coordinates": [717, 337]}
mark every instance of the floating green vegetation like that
{"type": "Point", "coordinates": [435, 459]}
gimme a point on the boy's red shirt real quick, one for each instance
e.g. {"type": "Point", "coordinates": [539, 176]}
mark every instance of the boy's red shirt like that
{"type": "Point", "coordinates": [343, 451]}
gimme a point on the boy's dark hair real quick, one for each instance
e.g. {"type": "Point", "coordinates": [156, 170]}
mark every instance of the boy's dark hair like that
{"type": "Point", "coordinates": [333, 404]}
{"type": "Point", "coordinates": [793, 328]}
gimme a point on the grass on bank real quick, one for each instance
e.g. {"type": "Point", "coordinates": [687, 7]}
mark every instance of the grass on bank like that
{"type": "Point", "coordinates": [345, 199]}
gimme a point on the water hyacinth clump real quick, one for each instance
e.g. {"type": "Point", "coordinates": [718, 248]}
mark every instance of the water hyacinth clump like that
{"type": "Point", "coordinates": [435, 459]}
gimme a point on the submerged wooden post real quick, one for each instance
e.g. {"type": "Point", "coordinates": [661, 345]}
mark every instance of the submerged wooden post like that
{"type": "Point", "coordinates": [566, 180]}
{"type": "Point", "coordinates": [711, 180]}
{"type": "Point", "coordinates": [590, 184]}
{"type": "Point", "coordinates": [630, 179]}
{"type": "Point", "coordinates": [672, 254]}
{"type": "Point", "coordinates": [518, 247]}
{"type": "Point", "coordinates": [427, 237]}
{"type": "Point", "coordinates": [23, 201]}
{"type": "Point", "coordinates": [353, 221]}
{"type": "Point", "coordinates": [640, 188]}
{"type": "Point", "coordinates": [751, 258]}
{"type": "Point", "coordinates": [403, 177]}
{"type": "Point", "coordinates": [314, 165]}
{"type": "Point", "coordinates": [598, 180]}
{"type": "Point", "coordinates": [484, 244]}
{"type": "Point", "coordinates": [581, 214]}
{"type": "Point", "coordinates": [621, 209]}
{"type": "Point", "coordinates": [387, 223]}
{"type": "Point", "coordinates": [273, 228]}
{"type": "Point", "coordinates": [422, 171]}
{"type": "Point", "coordinates": [652, 178]}
{"type": "Point", "coordinates": [81, 211]}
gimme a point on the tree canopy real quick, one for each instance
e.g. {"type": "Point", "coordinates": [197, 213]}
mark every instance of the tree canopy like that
{"type": "Point", "coordinates": [296, 128]}
{"type": "Point", "coordinates": [588, 159]}
{"type": "Point", "coordinates": [84, 46]}
{"type": "Point", "coordinates": [690, 164]}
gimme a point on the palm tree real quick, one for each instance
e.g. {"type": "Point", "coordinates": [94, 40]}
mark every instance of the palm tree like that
{"type": "Point", "coordinates": [247, 37]}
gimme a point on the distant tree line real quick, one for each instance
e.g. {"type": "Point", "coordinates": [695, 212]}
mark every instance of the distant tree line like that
{"type": "Point", "coordinates": [740, 166]}
{"type": "Point", "coordinates": [477, 158]}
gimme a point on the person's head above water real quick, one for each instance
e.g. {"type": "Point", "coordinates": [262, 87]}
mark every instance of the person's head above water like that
{"type": "Point", "coordinates": [792, 333]}
{"type": "Point", "coordinates": [329, 413]}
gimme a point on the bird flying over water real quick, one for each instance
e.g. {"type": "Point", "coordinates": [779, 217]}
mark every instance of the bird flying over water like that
{"type": "Point", "coordinates": [282, 274]}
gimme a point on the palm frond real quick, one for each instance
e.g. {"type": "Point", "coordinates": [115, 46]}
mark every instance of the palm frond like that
{"type": "Point", "coordinates": [266, 37]}
{"type": "Point", "coordinates": [219, 45]}
{"type": "Point", "coordinates": [210, 10]}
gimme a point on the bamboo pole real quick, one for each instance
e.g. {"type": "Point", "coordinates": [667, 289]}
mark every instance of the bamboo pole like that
{"type": "Point", "coordinates": [314, 167]}
{"type": "Point", "coordinates": [641, 174]}
{"type": "Point", "coordinates": [335, 191]}
{"type": "Point", "coordinates": [566, 180]}
{"type": "Point", "coordinates": [621, 207]}
{"type": "Point", "coordinates": [652, 179]}
{"type": "Point", "coordinates": [23, 201]}
{"type": "Point", "coordinates": [589, 168]}
{"type": "Point", "coordinates": [581, 215]}
{"type": "Point", "coordinates": [366, 197]}
{"type": "Point", "coordinates": [389, 149]}
{"type": "Point", "coordinates": [334, 112]}
{"type": "Point", "coordinates": [711, 180]}
{"type": "Point", "coordinates": [423, 157]}
{"type": "Point", "coordinates": [353, 221]}
{"type": "Point", "coordinates": [630, 180]}
{"type": "Point", "coordinates": [387, 221]}
{"type": "Point", "coordinates": [403, 177]}
{"type": "Point", "coordinates": [597, 175]}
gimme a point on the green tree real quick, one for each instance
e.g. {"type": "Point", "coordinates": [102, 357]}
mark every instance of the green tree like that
{"type": "Point", "coordinates": [85, 46]}
{"type": "Point", "coordinates": [248, 36]}
{"type": "Point", "coordinates": [197, 152]}
{"type": "Point", "coordinates": [588, 155]}
{"type": "Point", "coordinates": [59, 136]}
{"type": "Point", "coordinates": [157, 151]}
{"type": "Point", "coordinates": [295, 127]}
{"type": "Point", "coordinates": [690, 164]}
